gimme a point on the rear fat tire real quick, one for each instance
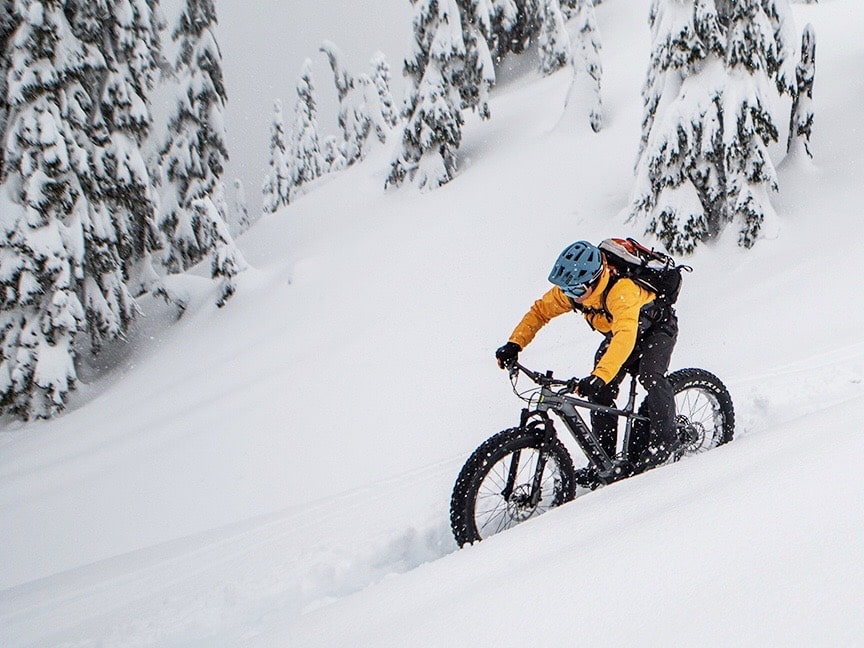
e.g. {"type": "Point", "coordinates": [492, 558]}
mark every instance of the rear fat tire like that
{"type": "Point", "coordinates": [463, 503]}
{"type": "Point", "coordinates": [703, 402]}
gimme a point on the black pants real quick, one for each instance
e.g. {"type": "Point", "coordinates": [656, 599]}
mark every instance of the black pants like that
{"type": "Point", "coordinates": [650, 362]}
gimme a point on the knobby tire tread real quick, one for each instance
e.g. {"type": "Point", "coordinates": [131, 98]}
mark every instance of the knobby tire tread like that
{"type": "Point", "coordinates": [481, 462]}
{"type": "Point", "coordinates": [700, 378]}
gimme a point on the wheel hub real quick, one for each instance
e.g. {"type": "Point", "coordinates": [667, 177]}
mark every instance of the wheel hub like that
{"type": "Point", "coordinates": [519, 505]}
{"type": "Point", "coordinates": [690, 433]}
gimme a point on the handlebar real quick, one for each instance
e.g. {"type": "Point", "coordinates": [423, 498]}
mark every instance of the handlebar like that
{"type": "Point", "coordinates": [541, 379]}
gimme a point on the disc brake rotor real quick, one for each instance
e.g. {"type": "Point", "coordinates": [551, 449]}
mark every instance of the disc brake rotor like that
{"type": "Point", "coordinates": [519, 505]}
{"type": "Point", "coordinates": [690, 433]}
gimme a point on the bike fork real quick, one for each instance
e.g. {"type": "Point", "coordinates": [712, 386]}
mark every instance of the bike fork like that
{"type": "Point", "coordinates": [513, 470]}
{"type": "Point", "coordinates": [511, 475]}
{"type": "Point", "coordinates": [536, 489]}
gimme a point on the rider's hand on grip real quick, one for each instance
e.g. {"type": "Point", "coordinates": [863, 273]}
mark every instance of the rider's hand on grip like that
{"type": "Point", "coordinates": [592, 387]}
{"type": "Point", "coordinates": [507, 355]}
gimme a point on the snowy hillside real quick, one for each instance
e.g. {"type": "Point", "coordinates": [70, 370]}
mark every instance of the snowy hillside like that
{"type": "Point", "coordinates": [278, 472]}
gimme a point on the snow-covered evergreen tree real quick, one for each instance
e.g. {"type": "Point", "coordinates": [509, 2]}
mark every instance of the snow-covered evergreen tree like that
{"type": "Point", "coordinates": [195, 152]}
{"type": "Point", "coordinates": [480, 14]}
{"type": "Point", "coordinates": [715, 71]}
{"type": "Point", "coordinates": [433, 130]}
{"type": "Point", "coordinates": [502, 18]}
{"type": "Point", "coordinates": [474, 75]}
{"type": "Point", "coordinates": [354, 119]}
{"type": "Point", "coordinates": [587, 67]}
{"type": "Point", "coordinates": [334, 159]}
{"type": "Point", "coordinates": [554, 42]}
{"type": "Point", "coordinates": [226, 260]}
{"type": "Point", "coordinates": [801, 121]}
{"type": "Point", "coordinates": [278, 180]}
{"type": "Point", "coordinates": [45, 214]}
{"type": "Point", "coordinates": [515, 33]}
{"type": "Point", "coordinates": [680, 183]}
{"type": "Point", "coordinates": [782, 58]}
{"type": "Point", "coordinates": [381, 81]}
{"type": "Point", "coordinates": [8, 23]}
{"type": "Point", "coordinates": [754, 62]}
{"type": "Point", "coordinates": [373, 108]}
{"type": "Point", "coordinates": [126, 34]}
{"type": "Point", "coordinates": [241, 207]}
{"type": "Point", "coordinates": [306, 162]}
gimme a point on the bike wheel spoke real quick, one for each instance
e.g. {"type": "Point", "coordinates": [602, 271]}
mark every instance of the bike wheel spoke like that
{"type": "Point", "coordinates": [500, 514]}
{"type": "Point", "coordinates": [493, 511]}
{"type": "Point", "coordinates": [701, 410]}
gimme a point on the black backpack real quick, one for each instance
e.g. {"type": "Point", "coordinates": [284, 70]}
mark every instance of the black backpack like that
{"type": "Point", "coordinates": [647, 267]}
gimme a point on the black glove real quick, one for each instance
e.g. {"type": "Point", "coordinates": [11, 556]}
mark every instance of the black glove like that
{"type": "Point", "coordinates": [508, 354]}
{"type": "Point", "coordinates": [594, 389]}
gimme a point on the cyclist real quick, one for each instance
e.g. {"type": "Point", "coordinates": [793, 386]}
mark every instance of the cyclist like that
{"type": "Point", "coordinates": [639, 336]}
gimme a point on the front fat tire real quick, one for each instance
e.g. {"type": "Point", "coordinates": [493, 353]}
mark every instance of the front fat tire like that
{"type": "Point", "coordinates": [463, 514]}
{"type": "Point", "coordinates": [702, 400]}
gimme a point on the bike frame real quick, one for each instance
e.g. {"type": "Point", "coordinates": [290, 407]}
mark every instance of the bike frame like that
{"type": "Point", "coordinates": [566, 407]}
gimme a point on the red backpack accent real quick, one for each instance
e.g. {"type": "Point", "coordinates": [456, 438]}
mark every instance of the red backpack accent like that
{"type": "Point", "coordinates": [650, 268]}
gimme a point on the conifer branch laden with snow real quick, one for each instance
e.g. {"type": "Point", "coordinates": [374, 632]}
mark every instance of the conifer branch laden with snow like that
{"type": "Point", "coordinates": [498, 18]}
{"type": "Point", "coordinates": [554, 41]}
{"type": "Point", "coordinates": [8, 24]}
{"type": "Point", "coordinates": [514, 24]}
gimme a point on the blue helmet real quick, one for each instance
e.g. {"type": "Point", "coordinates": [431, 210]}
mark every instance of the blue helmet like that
{"type": "Point", "coordinates": [577, 267]}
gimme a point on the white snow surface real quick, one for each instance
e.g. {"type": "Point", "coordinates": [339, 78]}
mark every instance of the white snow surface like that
{"type": "Point", "coordinates": [278, 472]}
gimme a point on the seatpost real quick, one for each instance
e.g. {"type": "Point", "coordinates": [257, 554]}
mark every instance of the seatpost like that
{"type": "Point", "coordinates": [631, 401]}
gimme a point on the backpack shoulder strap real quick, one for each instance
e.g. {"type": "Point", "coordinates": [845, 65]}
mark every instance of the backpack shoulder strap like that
{"type": "Point", "coordinates": [603, 310]}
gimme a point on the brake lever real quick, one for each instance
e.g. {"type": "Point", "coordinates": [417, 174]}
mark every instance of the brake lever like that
{"type": "Point", "coordinates": [513, 370]}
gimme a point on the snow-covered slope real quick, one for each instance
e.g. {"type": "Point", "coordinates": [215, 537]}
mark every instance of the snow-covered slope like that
{"type": "Point", "coordinates": [278, 472]}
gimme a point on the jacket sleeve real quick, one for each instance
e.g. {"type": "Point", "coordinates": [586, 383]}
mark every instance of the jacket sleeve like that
{"type": "Point", "coordinates": [624, 302]}
{"type": "Point", "coordinates": [552, 304]}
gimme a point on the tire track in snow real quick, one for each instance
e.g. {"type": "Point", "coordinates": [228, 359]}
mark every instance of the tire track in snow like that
{"type": "Point", "coordinates": [798, 389]}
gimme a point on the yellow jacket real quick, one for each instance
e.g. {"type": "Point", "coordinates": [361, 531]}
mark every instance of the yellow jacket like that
{"type": "Point", "coordinates": [623, 303]}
